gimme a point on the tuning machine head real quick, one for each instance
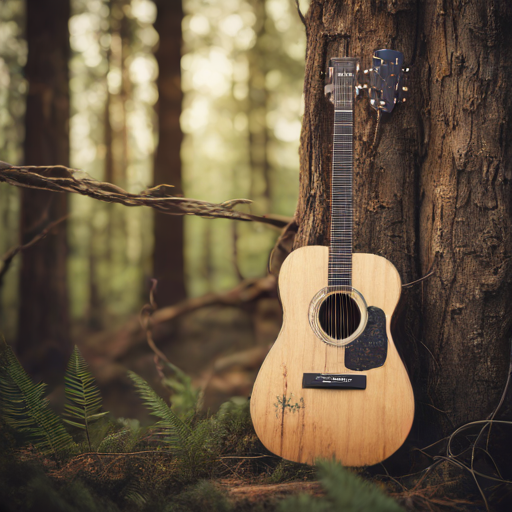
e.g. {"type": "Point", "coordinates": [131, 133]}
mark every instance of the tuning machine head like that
{"type": "Point", "coordinates": [329, 86]}
{"type": "Point", "coordinates": [385, 80]}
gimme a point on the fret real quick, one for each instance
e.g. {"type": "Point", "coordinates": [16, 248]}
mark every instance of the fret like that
{"type": "Point", "coordinates": [340, 251]}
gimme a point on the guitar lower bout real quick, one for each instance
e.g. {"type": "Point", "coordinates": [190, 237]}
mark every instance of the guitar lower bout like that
{"type": "Point", "coordinates": [308, 401]}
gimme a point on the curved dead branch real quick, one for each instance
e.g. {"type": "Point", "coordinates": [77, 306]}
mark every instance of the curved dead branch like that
{"type": "Point", "coordinates": [6, 259]}
{"type": "Point", "coordinates": [58, 178]}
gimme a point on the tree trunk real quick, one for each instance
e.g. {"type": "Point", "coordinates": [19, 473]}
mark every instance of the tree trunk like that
{"type": "Point", "coordinates": [168, 262]}
{"type": "Point", "coordinates": [431, 190]}
{"type": "Point", "coordinates": [44, 343]}
{"type": "Point", "coordinates": [261, 188]}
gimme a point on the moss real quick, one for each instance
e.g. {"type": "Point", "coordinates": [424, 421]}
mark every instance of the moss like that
{"type": "Point", "coordinates": [345, 492]}
{"type": "Point", "coordinates": [287, 471]}
{"type": "Point", "coordinates": [202, 496]}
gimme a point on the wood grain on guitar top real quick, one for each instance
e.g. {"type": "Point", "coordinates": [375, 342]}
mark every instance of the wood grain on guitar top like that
{"type": "Point", "coordinates": [356, 427]}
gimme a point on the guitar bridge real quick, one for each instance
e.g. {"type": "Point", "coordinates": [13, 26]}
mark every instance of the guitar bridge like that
{"type": "Point", "coordinates": [333, 381]}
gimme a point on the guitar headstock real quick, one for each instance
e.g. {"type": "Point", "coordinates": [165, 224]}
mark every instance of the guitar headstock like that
{"type": "Point", "coordinates": [340, 80]}
{"type": "Point", "coordinates": [385, 80]}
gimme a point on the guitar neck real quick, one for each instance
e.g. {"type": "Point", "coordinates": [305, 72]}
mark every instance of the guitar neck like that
{"type": "Point", "coordinates": [340, 251]}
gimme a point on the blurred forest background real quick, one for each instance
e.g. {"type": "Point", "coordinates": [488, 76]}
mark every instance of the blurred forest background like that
{"type": "Point", "coordinates": [219, 119]}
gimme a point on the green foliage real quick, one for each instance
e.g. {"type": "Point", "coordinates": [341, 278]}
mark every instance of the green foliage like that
{"type": "Point", "coordinates": [73, 496]}
{"type": "Point", "coordinates": [141, 480]}
{"type": "Point", "coordinates": [24, 407]}
{"type": "Point", "coordinates": [196, 446]}
{"type": "Point", "coordinates": [121, 440]}
{"type": "Point", "coordinates": [24, 486]}
{"type": "Point", "coordinates": [84, 397]}
{"type": "Point", "coordinates": [176, 433]}
{"type": "Point", "coordinates": [204, 495]}
{"type": "Point", "coordinates": [345, 492]}
{"type": "Point", "coordinates": [233, 426]}
{"type": "Point", "coordinates": [186, 398]}
{"type": "Point", "coordinates": [287, 471]}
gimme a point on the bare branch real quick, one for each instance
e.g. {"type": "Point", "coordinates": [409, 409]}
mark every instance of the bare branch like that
{"type": "Point", "coordinates": [247, 291]}
{"type": "Point", "coordinates": [407, 285]}
{"type": "Point", "coordinates": [7, 258]}
{"type": "Point", "coordinates": [301, 16]}
{"type": "Point", "coordinates": [114, 345]}
{"type": "Point", "coordinates": [58, 178]}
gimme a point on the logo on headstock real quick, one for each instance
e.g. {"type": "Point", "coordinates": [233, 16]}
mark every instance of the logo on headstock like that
{"type": "Point", "coordinates": [345, 74]}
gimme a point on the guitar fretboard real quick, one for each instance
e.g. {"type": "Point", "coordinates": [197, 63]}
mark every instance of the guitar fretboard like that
{"type": "Point", "coordinates": [340, 252]}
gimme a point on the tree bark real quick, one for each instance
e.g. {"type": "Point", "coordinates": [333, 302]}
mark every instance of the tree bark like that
{"type": "Point", "coordinates": [433, 189]}
{"type": "Point", "coordinates": [168, 255]}
{"type": "Point", "coordinates": [44, 343]}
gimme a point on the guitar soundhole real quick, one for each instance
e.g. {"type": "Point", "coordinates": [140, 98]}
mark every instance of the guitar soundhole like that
{"type": "Point", "coordinates": [339, 316]}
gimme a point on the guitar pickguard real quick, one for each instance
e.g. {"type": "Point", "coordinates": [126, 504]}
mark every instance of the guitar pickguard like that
{"type": "Point", "coordinates": [370, 349]}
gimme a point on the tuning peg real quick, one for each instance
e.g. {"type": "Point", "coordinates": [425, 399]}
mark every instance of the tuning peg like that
{"type": "Point", "coordinates": [329, 86]}
{"type": "Point", "coordinates": [386, 80]}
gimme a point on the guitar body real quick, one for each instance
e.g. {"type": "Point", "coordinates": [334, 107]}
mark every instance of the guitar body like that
{"type": "Point", "coordinates": [357, 427]}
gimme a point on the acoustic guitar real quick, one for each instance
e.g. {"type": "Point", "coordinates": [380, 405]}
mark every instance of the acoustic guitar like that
{"type": "Point", "coordinates": [333, 385]}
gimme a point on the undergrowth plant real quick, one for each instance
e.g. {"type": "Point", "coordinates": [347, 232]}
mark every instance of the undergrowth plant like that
{"type": "Point", "coordinates": [84, 398]}
{"type": "Point", "coordinates": [122, 436]}
{"type": "Point", "coordinates": [190, 443]}
{"type": "Point", "coordinates": [128, 472]}
{"type": "Point", "coordinates": [344, 492]}
{"type": "Point", "coordinates": [186, 398]}
{"type": "Point", "coordinates": [24, 407]}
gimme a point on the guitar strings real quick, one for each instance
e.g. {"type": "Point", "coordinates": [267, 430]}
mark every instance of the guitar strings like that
{"type": "Point", "coordinates": [341, 312]}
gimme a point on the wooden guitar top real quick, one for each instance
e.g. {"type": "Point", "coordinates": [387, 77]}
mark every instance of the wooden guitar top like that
{"type": "Point", "coordinates": [358, 427]}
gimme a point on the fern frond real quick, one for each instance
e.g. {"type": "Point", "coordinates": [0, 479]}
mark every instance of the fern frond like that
{"type": "Point", "coordinates": [84, 397]}
{"type": "Point", "coordinates": [123, 440]}
{"type": "Point", "coordinates": [24, 407]}
{"type": "Point", "coordinates": [186, 399]}
{"type": "Point", "coordinates": [177, 432]}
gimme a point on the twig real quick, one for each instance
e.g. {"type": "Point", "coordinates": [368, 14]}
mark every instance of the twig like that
{"type": "Point", "coordinates": [500, 403]}
{"type": "Point", "coordinates": [301, 16]}
{"type": "Point", "coordinates": [407, 285]}
{"type": "Point", "coordinates": [283, 247]}
{"type": "Point", "coordinates": [9, 255]}
{"type": "Point", "coordinates": [394, 479]}
{"type": "Point", "coordinates": [145, 321]}
{"type": "Point", "coordinates": [58, 178]}
{"type": "Point", "coordinates": [254, 457]}
{"type": "Point", "coordinates": [234, 234]}
{"type": "Point", "coordinates": [127, 454]}
{"type": "Point", "coordinates": [377, 127]}
{"type": "Point", "coordinates": [146, 318]}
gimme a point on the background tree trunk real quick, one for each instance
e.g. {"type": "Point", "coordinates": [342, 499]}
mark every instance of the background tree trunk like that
{"type": "Point", "coordinates": [261, 188]}
{"type": "Point", "coordinates": [168, 257]}
{"type": "Point", "coordinates": [433, 190]}
{"type": "Point", "coordinates": [44, 343]}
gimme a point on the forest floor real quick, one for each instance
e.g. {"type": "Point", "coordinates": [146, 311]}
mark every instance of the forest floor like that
{"type": "Point", "coordinates": [220, 348]}
{"type": "Point", "coordinates": [226, 469]}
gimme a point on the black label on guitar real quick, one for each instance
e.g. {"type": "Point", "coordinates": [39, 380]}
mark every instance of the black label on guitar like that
{"type": "Point", "coordinates": [333, 381]}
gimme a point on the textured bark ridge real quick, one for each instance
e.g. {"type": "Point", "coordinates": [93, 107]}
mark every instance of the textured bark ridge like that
{"type": "Point", "coordinates": [433, 189]}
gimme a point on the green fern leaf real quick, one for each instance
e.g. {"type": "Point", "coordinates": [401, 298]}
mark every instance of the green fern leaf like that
{"type": "Point", "coordinates": [24, 407]}
{"type": "Point", "coordinates": [177, 433]}
{"type": "Point", "coordinates": [82, 394]}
